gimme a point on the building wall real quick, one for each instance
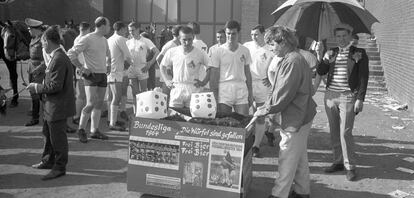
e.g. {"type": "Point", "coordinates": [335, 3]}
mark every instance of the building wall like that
{"type": "Point", "coordinates": [396, 42]}
{"type": "Point", "coordinates": [57, 11]}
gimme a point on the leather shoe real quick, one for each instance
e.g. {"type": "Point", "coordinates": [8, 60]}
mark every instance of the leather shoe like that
{"type": "Point", "coordinates": [53, 174]}
{"type": "Point", "coordinates": [117, 128]}
{"type": "Point", "coordinates": [42, 165]}
{"type": "Point", "coordinates": [13, 104]}
{"type": "Point", "coordinates": [270, 138]}
{"type": "Point", "coordinates": [99, 135]}
{"type": "Point", "coordinates": [271, 196]}
{"type": "Point", "coordinates": [334, 168]}
{"type": "Point", "coordinates": [82, 136]}
{"type": "Point", "coordinates": [351, 175]}
{"type": "Point", "coordinates": [32, 122]}
{"type": "Point", "coordinates": [293, 194]}
{"type": "Point", "coordinates": [70, 129]}
{"type": "Point", "coordinates": [256, 151]}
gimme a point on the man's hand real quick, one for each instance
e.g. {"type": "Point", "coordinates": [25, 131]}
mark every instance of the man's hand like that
{"type": "Point", "coordinates": [126, 65]}
{"type": "Point", "coordinates": [250, 100]}
{"type": "Point", "coordinates": [266, 82]}
{"type": "Point", "coordinates": [359, 104]}
{"type": "Point", "coordinates": [261, 111]}
{"type": "Point", "coordinates": [329, 56]}
{"type": "Point", "coordinates": [199, 83]}
{"type": "Point", "coordinates": [108, 70]}
{"type": "Point", "coordinates": [85, 72]}
{"type": "Point", "coordinates": [169, 84]}
{"type": "Point", "coordinates": [32, 87]}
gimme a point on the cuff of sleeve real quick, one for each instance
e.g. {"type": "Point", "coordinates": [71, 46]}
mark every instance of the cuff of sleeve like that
{"type": "Point", "coordinates": [36, 88]}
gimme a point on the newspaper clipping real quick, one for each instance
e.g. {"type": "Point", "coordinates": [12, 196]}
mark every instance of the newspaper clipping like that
{"type": "Point", "coordinates": [225, 165]}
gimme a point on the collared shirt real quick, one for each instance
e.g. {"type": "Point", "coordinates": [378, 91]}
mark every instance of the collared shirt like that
{"type": "Point", "coordinates": [231, 63]}
{"type": "Point", "coordinates": [139, 49]}
{"type": "Point", "coordinates": [186, 67]}
{"type": "Point", "coordinates": [119, 52]}
{"type": "Point", "coordinates": [261, 58]}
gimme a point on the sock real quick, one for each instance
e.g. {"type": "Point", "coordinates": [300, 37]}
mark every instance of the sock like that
{"type": "Point", "coordinates": [95, 118]}
{"type": "Point", "coordinates": [84, 120]}
{"type": "Point", "coordinates": [108, 107]}
{"type": "Point", "coordinates": [259, 132]}
{"type": "Point", "coordinates": [79, 106]}
{"type": "Point", "coordinates": [122, 103]}
{"type": "Point", "coordinates": [113, 115]}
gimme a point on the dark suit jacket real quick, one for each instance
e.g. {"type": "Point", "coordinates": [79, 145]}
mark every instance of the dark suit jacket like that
{"type": "Point", "coordinates": [57, 88]}
{"type": "Point", "coordinates": [357, 72]}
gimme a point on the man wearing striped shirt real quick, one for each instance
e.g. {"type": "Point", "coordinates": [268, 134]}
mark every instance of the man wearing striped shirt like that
{"type": "Point", "coordinates": [347, 69]}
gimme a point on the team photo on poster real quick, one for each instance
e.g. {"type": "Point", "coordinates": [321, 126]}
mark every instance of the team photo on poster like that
{"type": "Point", "coordinates": [154, 152]}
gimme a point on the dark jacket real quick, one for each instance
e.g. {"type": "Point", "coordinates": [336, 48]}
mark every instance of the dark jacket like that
{"type": "Point", "coordinates": [292, 93]}
{"type": "Point", "coordinates": [57, 88]}
{"type": "Point", "coordinates": [357, 72]}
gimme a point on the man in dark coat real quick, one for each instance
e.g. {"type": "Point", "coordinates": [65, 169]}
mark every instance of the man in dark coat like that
{"type": "Point", "coordinates": [348, 71]}
{"type": "Point", "coordinates": [59, 104]}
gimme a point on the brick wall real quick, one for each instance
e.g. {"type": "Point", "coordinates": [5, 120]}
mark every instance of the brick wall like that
{"type": "Point", "coordinates": [396, 42]}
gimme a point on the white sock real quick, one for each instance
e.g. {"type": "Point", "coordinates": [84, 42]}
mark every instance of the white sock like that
{"type": "Point", "coordinates": [95, 118]}
{"type": "Point", "coordinates": [84, 120]}
{"type": "Point", "coordinates": [258, 136]}
{"type": "Point", "coordinates": [79, 106]}
{"type": "Point", "coordinates": [113, 115]}
{"type": "Point", "coordinates": [108, 107]}
{"type": "Point", "coordinates": [122, 103]}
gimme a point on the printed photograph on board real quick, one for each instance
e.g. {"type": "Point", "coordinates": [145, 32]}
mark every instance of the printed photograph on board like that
{"type": "Point", "coordinates": [225, 165]}
{"type": "Point", "coordinates": [157, 153]}
{"type": "Point", "coordinates": [193, 174]}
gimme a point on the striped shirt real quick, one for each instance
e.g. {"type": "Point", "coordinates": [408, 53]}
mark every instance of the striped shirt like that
{"type": "Point", "coordinates": [339, 81]}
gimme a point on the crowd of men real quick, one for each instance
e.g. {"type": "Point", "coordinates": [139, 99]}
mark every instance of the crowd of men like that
{"type": "Point", "coordinates": [268, 73]}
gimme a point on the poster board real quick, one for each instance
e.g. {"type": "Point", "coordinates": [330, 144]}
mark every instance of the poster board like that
{"type": "Point", "coordinates": [182, 159]}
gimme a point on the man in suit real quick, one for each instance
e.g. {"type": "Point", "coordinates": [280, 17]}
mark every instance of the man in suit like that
{"type": "Point", "coordinates": [59, 104]}
{"type": "Point", "coordinates": [347, 69]}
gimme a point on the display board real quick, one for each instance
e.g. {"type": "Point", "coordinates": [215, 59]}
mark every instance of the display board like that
{"type": "Point", "coordinates": [183, 159]}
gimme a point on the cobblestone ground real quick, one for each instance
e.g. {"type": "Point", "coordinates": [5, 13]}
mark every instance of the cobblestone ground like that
{"type": "Point", "coordinates": [384, 144]}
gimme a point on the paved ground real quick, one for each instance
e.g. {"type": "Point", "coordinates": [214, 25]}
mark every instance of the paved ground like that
{"type": "Point", "coordinates": [98, 169]}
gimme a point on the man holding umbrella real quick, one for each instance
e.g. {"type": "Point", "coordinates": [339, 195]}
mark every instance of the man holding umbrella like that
{"type": "Point", "coordinates": [347, 69]}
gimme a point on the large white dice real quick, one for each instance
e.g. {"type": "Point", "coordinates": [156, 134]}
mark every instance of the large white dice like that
{"type": "Point", "coordinates": [203, 105]}
{"type": "Point", "coordinates": [151, 104]}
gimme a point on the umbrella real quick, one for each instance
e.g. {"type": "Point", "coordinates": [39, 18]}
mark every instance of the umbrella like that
{"type": "Point", "coordinates": [317, 18]}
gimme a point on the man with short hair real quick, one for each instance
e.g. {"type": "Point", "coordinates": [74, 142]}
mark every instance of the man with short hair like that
{"type": "Point", "coordinates": [291, 97]}
{"type": "Point", "coordinates": [261, 57]}
{"type": "Point", "coordinates": [220, 38]}
{"type": "Point", "coordinates": [59, 104]}
{"type": "Point", "coordinates": [84, 29]}
{"type": "Point", "coordinates": [94, 47]}
{"type": "Point", "coordinates": [232, 81]}
{"type": "Point", "coordinates": [139, 47]}
{"type": "Point", "coordinates": [185, 61]}
{"type": "Point", "coordinates": [170, 44]}
{"type": "Point", "coordinates": [119, 55]}
{"type": "Point", "coordinates": [347, 69]}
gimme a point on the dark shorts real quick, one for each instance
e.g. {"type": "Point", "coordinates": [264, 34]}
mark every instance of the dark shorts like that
{"type": "Point", "coordinates": [95, 80]}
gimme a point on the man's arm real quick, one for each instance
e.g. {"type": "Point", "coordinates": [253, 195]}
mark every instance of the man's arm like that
{"type": "Point", "coordinates": [363, 75]}
{"type": "Point", "coordinates": [77, 48]}
{"type": "Point", "coordinates": [57, 78]}
{"type": "Point", "coordinates": [249, 83]}
{"type": "Point", "coordinates": [287, 84]}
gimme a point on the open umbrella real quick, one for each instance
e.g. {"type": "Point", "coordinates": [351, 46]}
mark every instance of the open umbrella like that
{"type": "Point", "coordinates": [317, 18]}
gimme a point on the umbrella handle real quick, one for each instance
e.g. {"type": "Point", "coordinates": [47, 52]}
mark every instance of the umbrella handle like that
{"type": "Point", "coordinates": [253, 120]}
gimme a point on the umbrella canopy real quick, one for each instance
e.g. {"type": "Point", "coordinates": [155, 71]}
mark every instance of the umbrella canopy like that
{"type": "Point", "coordinates": [316, 19]}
